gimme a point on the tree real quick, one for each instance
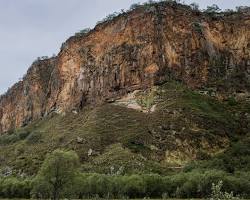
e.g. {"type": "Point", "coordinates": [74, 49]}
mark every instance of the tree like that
{"type": "Point", "coordinates": [194, 6]}
{"type": "Point", "coordinates": [243, 9]}
{"type": "Point", "coordinates": [82, 32]}
{"type": "Point", "coordinates": [56, 175]}
{"type": "Point", "coordinates": [213, 9]}
{"type": "Point", "coordinates": [134, 6]}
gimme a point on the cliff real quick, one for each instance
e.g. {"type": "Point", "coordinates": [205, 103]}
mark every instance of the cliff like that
{"type": "Point", "coordinates": [144, 47]}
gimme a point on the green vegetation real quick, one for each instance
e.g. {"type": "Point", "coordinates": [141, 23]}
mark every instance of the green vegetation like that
{"type": "Point", "coordinates": [147, 99]}
{"type": "Point", "coordinates": [13, 137]}
{"type": "Point", "coordinates": [145, 5]}
{"type": "Point", "coordinates": [11, 187]}
{"type": "Point", "coordinates": [108, 18]}
{"type": "Point", "coordinates": [235, 159]}
{"type": "Point", "coordinates": [188, 144]}
{"type": "Point", "coordinates": [182, 119]}
{"type": "Point", "coordinates": [197, 184]}
{"type": "Point", "coordinates": [134, 6]}
{"type": "Point", "coordinates": [194, 6]}
{"type": "Point", "coordinates": [212, 9]}
{"type": "Point", "coordinates": [56, 176]}
{"type": "Point", "coordinates": [198, 27]}
{"type": "Point", "coordinates": [128, 153]}
{"type": "Point", "coordinates": [217, 194]}
{"type": "Point", "coordinates": [33, 138]}
{"type": "Point", "coordinates": [82, 32]}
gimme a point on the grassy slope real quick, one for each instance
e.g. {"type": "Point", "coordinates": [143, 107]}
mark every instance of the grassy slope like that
{"type": "Point", "coordinates": [185, 126]}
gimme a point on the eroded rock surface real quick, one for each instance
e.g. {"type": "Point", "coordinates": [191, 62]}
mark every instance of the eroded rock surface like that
{"type": "Point", "coordinates": [133, 51]}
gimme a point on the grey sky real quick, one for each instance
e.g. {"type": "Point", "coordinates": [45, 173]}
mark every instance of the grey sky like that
{"type": "Point", "coordinates": [32, 28]}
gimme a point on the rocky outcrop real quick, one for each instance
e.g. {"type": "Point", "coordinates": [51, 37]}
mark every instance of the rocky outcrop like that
{"type": "Point", "coordinates": [146, 46]}
{"type": "Point", "coordinates": [27, 100]}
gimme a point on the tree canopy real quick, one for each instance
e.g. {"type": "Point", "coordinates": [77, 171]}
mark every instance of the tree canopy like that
{"type": "Point", "coordinates": [57, 175]}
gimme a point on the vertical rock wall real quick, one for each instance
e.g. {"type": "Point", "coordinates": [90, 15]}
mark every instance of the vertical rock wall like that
{"type": "Point", "coordinates": [135, 50]}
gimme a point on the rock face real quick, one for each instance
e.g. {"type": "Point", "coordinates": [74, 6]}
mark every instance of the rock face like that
{"type": "Point", "coordinates": [135, 50]}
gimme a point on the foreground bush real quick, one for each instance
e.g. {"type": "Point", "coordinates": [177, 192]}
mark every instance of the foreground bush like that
{"type": "Point", "coordinates": [15, 188]}
{"type": "Point", "coordinates": [195, 184]}
{"type": "Point", "coordinates": [217, 194]}
{"type": "Point", "coordinates": [184, 185]}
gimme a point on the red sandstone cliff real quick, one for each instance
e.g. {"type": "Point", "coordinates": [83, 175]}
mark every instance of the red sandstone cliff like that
{"type": "Point", "coordinates": [136, 49]}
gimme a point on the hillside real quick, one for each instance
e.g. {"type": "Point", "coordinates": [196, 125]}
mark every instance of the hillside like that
{"type": "Point", "coordinates": [150, 91]}
{"type": "Point", "coordinates": [184, 126]}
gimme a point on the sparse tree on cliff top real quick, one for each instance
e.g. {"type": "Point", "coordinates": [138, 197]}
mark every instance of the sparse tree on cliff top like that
{"type": "Point", "coordinates": [194, 6]}
{"type": "Point", "coordinates": [213, 9]}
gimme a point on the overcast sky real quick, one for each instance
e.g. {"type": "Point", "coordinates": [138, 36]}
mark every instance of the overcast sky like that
{"type": "Point", "coordinates": [33, 28]}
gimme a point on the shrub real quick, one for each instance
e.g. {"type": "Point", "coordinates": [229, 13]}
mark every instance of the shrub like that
{"type": "Point", "coordinates": [176, 182]}
{"type": "Point", "coordinates": [191, 187]}
{"type": "Point", "coordinates": [208, 178]}
{"type": "Point", "coordinates": [13, 137]}
{"type": "Point", "coordinates": [134, 6]}
{"type": "Point", "coordinates": [99, 185]}
{"type": "Point", "coordinates": [82, 32]}
{"type": "Point", "coordinates": [198, 27]}
{"type": "Point", "coordinates": [34, 137]}
{"type": "Point", "coordinates": [154, 185]}
{"type": "Point", "coordinates": [195, 184]}
{"type": "Point", "coordinates": [213, 9]}
{"type": "Point", "coordinates": [232, 101]}
{"type": "Point", "coordinates": [15, 188]}
{"type": "Point", "coordinates": [23, 134]}
{"type": "Point", "coordinates": [217, 194]}
{"type": "Point", "coordinates": [82, 186]}
{"type": "Point", "coordinates": [194, 6]}
{"type": "Point", "coordinates": [243, 9]}
{"type": "Point", "coordinates": [134, 186]}
{"type": "Point", "coordinates": [40, 189]}
{"type": "Point", "coordinates": [109, 17]}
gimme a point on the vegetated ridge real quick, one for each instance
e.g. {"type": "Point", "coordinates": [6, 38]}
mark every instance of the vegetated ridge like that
{"type": "Point", "coordinates": [93, 97]}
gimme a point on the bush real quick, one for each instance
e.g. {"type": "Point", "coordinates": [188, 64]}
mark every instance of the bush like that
{"type": "Point", "coordinates": [191, 187]}
{"type": "Point", "coordinates": [34, 137]}
{"type": "Point", "coordinates": [15, 188]}
{"type": "Point", "coordinates": [134, 6]}
{"type": "Point", "coordinates": [134, 186]}
{"type": "Point", "coordinates": [13, 137]}
{"type": "Point", "coordinates": [108, 18]}
{"type": "Point", "coordinates": [194, 6]}
{"type": "Point", "coordinates": [195, 184]}
{"type": "Point", "coordinates": [99, 185]}
{"type": "Point", "coordinates": [217, 194]}
{"type": "Point", "coordinates": [208, 178]}
{"type": "Point", "coordinates": [213, 9]}
{"type": "Point", "coordinates": [198, 27]}
{"type": "Point", "coordinates": [154, 185]}
{"type": "Point", "coordinates": [82, 32]}
{"type": "Point", "coordinates": [232, 101]}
